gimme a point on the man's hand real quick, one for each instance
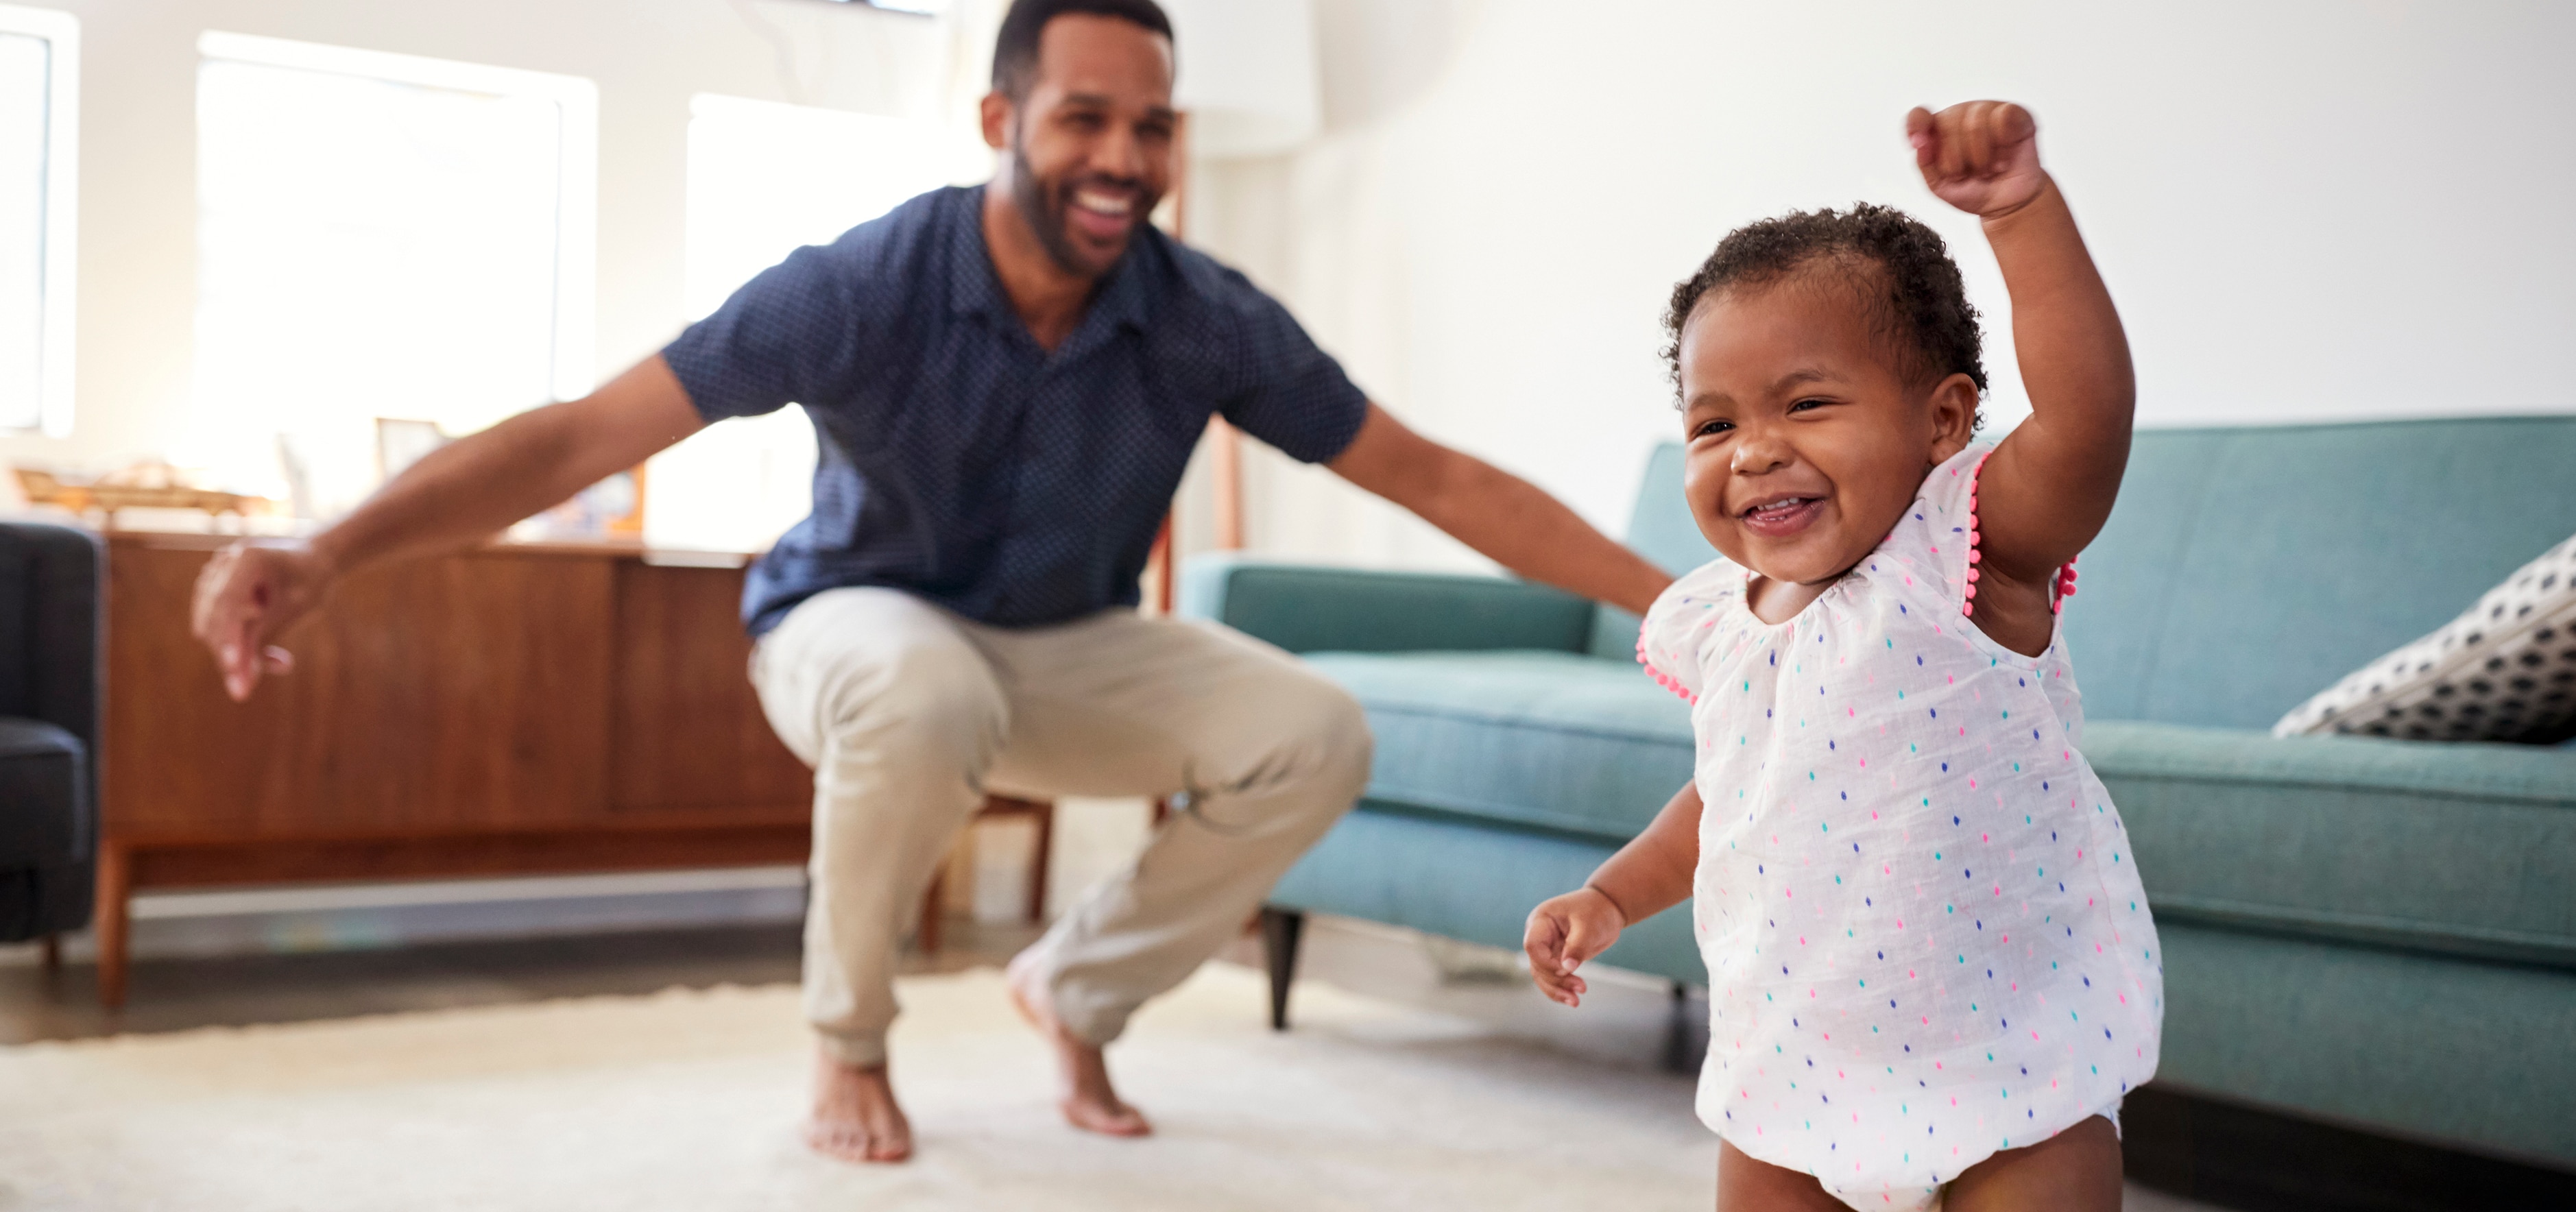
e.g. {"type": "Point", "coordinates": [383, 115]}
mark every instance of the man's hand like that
{"type": "Point", "coordinates": [248, 595]}
{"type": "Point", "coordinates": [1562, 933]}
{"type": "Point", "coordinates": [1499, 514]}
{"type": "Point", "coordinates": [1979, 156]}
{"type": "Point", "coordinates": [461, 493]}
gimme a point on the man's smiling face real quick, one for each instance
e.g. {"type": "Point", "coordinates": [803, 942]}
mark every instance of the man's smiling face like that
{"type": "Point", "coordinates": [1091, 140]}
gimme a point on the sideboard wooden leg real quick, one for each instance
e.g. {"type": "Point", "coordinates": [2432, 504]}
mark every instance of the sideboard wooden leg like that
{"type": "Point", "coordinates": [933, 907]}
{"type": "Point", "coordinates": [1041, 860]}
{"type": "Point", "coordinates": [115, 889]}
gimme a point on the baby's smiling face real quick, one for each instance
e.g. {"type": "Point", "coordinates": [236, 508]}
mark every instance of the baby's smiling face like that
{"type": "Point", "coordinates": [1806, 440]}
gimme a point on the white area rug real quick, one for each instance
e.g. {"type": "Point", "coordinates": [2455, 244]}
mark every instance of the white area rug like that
{"type": "Point", "coordinates": [690, 1100]}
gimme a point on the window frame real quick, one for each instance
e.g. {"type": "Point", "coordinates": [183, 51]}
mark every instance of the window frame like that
{"type": "Point", "coordinates": [575, 371]}
{"type": "Point", "coordinates": [58, 274]}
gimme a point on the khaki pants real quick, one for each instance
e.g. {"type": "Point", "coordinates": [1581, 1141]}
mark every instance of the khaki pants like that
{"type": "Point", "coordinates": [909, 713]}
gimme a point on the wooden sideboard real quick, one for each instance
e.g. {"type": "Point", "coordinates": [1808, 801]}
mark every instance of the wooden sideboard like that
{"type": "Point", "coordinates": [515, 709]}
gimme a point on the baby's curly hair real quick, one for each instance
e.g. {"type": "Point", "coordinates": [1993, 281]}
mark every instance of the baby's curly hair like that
{"type": "Point", "coordinates": [1895, 264]}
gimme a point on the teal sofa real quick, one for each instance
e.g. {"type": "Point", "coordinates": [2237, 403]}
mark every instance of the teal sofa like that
{"type": "Point", "coordinates": [2379, 934]}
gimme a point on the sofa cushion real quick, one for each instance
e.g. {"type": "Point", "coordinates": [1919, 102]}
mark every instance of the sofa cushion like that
{"type": "Point", "coordinates": [41, 767]}
{"type": "Point", "coordinates": [2505, 670]}
{"type": "Point", "coordinates": [1549, 740]}
{"type": "Point", "coordinates": [2463, 849]}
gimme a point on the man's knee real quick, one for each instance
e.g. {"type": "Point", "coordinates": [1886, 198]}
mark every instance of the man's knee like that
{"type": "Point", "coordinates": [1315, 734]}
{"type": "Point", "coordinates": [1350, 748]}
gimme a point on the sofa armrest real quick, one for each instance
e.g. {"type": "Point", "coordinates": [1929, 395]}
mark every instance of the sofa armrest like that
{"type": "Point", "coordinates": [1308, 608]}
{"type": "Point", "coordinates": [44, 798]}
{"type": "Point", "coordinates": [50, 600]}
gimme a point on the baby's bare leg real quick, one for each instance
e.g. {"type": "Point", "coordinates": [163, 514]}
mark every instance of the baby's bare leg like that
{"type": "Point", "coordinates": [2077, 1170]}
{"type": "Point", "coordinates": [1746, 1185]}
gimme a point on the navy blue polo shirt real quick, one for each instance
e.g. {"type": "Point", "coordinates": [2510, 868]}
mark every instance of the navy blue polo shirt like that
{"type": "Point", "coordinates": [959, 460]}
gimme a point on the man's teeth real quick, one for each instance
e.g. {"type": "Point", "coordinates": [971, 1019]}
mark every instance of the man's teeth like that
{"type": "Point", "coordinates": [1107, 204]}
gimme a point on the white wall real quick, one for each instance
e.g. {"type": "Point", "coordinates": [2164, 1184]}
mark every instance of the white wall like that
{"type": "Point", "coordinates": [2307, 210]}
{"type": "Point", "coordinates": [138, 134]}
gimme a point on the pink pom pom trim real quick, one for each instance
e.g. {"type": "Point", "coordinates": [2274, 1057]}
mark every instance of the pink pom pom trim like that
{"type": "Point", "coordinates": [2062, 588]}
{"type": "Point", "coordinates": [1968, 599]}
{"type": "Point", "coordinates": [1665, 680]}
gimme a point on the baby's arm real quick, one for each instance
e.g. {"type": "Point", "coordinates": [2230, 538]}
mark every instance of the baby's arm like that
{"type": "Point", "coordinates": [1649, 875]}
{"type": "Point", "coordinates": [2049, 486]}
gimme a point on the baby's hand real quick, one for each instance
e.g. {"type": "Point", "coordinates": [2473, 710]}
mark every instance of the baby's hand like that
{"type": "Point", "coordinates": [1979, 156]}
{"type": "Point", "coordinates": [1563, 932]}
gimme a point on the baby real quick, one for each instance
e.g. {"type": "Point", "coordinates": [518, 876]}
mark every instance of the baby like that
{"type": "Point", "coordinates": [1931, 971]}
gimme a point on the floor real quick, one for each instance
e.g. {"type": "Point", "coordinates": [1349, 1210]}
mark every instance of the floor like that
{"type": "Point", "coordinates": [2179, 1146]}
{"type": "Point", "coordinates": [176, 994]}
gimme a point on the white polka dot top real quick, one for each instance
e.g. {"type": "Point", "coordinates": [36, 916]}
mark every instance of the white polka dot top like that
{"type": "Point", "coordinates": [1924, 932]}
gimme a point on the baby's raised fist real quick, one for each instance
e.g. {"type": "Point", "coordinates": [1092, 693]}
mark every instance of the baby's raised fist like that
{"type": "Point", "coordinates": [1979, 156]}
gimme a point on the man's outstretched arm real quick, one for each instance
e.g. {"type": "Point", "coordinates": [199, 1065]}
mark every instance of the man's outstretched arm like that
{"type": "Point", "coordinates": [460, 494]}
{"type": "Point", "coordinates": [1499, 514]}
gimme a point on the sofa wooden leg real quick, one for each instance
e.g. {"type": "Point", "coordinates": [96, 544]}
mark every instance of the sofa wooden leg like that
{"type": "Point", "coordinates": [53, 954]}
{"type": "Point", "coordinates": [1280, 931]}
{"type": "Point", "coordinates": [115, 888]}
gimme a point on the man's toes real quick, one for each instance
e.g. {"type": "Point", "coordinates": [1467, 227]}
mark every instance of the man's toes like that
{"type": "Point", "coordinates": [849, 1141]}
{"type": "Point", "coordinates": [891, 1147]}
{"type": "Point", "coordinates": [1110, 1119]}
{"type": "Point", "coordinates": [840, 1141]}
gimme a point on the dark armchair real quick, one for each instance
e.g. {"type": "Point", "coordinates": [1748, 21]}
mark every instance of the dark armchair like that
{"type": "Point", "coordinates": [50, 607]}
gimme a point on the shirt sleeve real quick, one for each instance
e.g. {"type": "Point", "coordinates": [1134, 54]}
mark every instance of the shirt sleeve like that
{"type": "Point", "coordinates": [1672, 643]}
{"type": "Point", "coordinates": [1293, 395]}
{"type": "Point", "coordinates": [779, 340]}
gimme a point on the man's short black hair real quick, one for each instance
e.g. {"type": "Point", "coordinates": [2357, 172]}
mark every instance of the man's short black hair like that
{"type": "Point", "coordinates": [1015, 52]}
{"type": "Point", "coordinates": [1898, 267]}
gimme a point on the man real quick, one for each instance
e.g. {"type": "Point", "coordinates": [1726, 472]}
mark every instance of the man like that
{"type": "Point", "coordinates": [1006, 382]}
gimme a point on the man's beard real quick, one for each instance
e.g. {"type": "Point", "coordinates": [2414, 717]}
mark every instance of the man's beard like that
{"type": "Point", "coordinates": [1043, 210]}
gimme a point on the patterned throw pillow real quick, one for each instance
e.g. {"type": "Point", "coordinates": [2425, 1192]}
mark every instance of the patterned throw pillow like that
{"type": "Point", "coordinates": [2504, 671]}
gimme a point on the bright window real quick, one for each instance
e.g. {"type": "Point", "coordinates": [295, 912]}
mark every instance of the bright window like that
{"type": "Point", "coordinates": [765, 179]}
{"type": "Point", "coordinates": [383, 236]}
{"type": "Point", "coordinates": [39, 92]}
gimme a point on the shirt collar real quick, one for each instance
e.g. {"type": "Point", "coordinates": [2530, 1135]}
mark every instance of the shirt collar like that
{"type": "Point", "coordinates": [974, 287]}
{"type": "Point", "coordinates": [1125, 299]}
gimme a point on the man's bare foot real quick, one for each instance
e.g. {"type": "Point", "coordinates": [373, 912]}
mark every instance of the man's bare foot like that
{"type": "Point", "coordinates": [855, 1115]}
{"type": "Point", "coordinates": [1089, 1102]}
